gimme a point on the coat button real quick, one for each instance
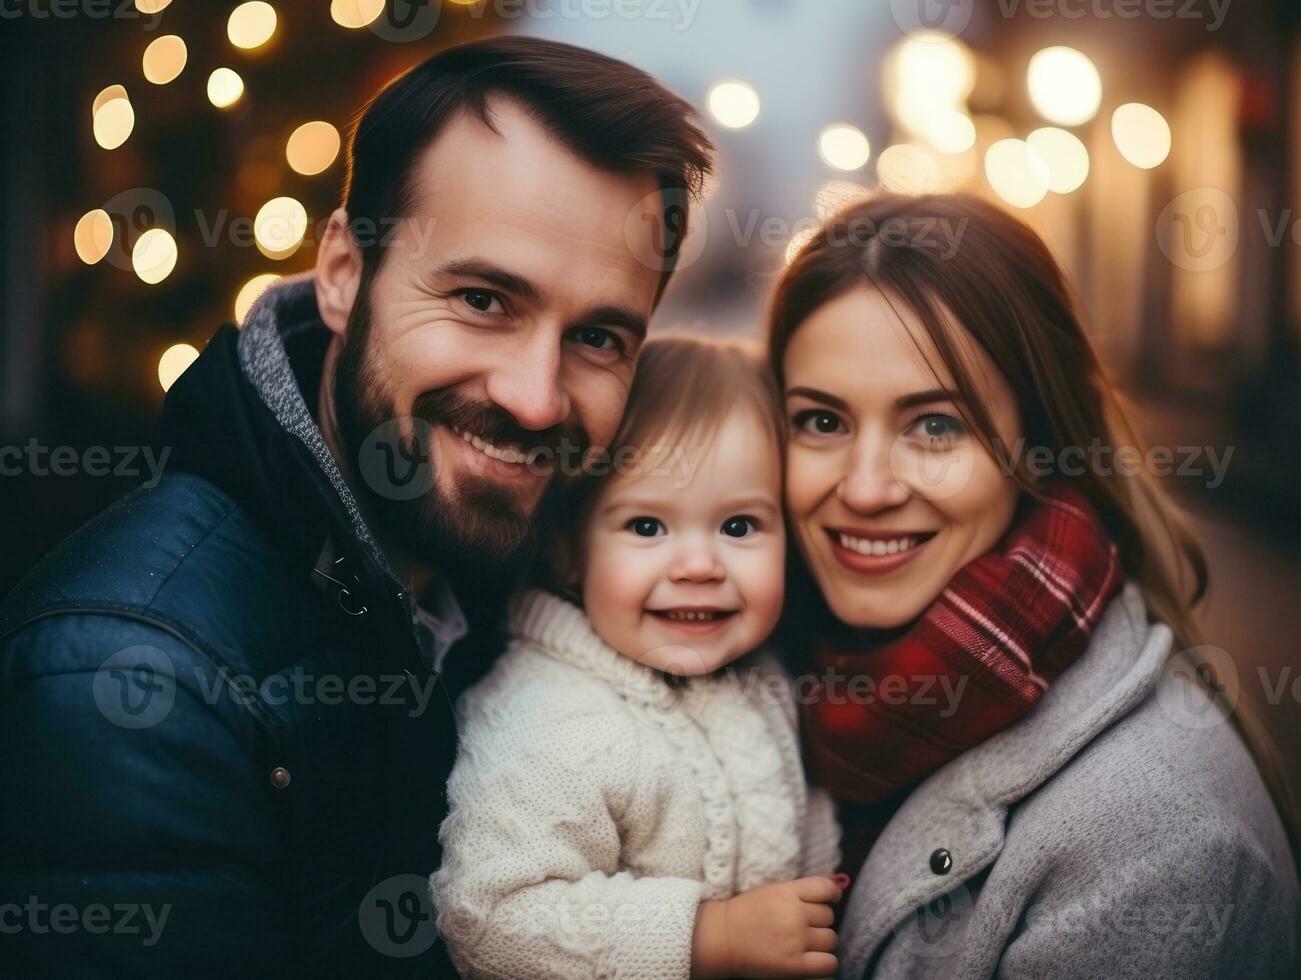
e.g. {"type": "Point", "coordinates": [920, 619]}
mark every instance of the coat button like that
{"type": "Point", "coordinates": [941, 860]}
{"type": "Point", "coordinates": [280, 779]}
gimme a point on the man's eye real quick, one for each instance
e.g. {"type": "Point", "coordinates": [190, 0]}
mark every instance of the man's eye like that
{"type": "Point", "coordinates": [739, 527]}
{"type": "Point", "coordinates": [481, 300]}
{"type": "Point", "coordinates": [598, 338]}
{"type": "Point", "coordinates": [645, 527]}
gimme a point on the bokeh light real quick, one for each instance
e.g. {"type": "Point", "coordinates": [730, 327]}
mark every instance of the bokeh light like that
{"type": "Point", "coordinates": [836, 195]}
{"type": "Point", "coordinates": [152, 6]}
{"type": "Point", "coordinates": [1141, 133]}
{"type": "Point", "coordinates": [174, 362]}
{"type": "Point", "coordinates": [164, 59]}
{"type": "Point", "coordinates": [931, 66]}
{"type": "Point", "coordinates": [249, 292]}
{"type": "Point", "coordinates": [113, 123]}
{"type": "Point", "coordinates": [93, 236]}
{"type": "Point", "coordinates": [926, 81]}
{"type": "Point", "coordinates": [949, 131]}
{"type": "Point", "coordinates": [1066, 157]}
{"type": "Point", "coordinates": [844, 147]}
{"type": "Point", "coordinates": [908, 169]}
{"type": "Point", "coordinates": [154, 256]}
{"type": "Point", "coordinates": [251, 24]}
{"type": "Point", "coordinates": [1016, 172]}
{"type": "Point", "coordinates": [733, 103]}
{"type": "Point", "coordinates": [312, 147]}
{"type": "Point", "coordinates": [106, 94]}
{"type": "Point", "coordinates": [224, 88]}
{"type": "Point", "coordinates": [1064, 85]}
{"type": "Point", "coordinates": [355, 14]}
{"type": "Point", "coordinates": [798, 241]}
{"type": "Point", "coordinates": [279, 227]}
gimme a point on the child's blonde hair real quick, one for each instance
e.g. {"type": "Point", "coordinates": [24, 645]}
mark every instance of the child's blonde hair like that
{"type": "Point", "coordinates": [684, 389]}
{"type": "Point", "coordinates": [686, 386]}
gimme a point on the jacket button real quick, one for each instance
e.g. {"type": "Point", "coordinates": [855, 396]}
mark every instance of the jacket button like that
{"type": "Point", "coordinates": [941, 860]}
{"type": "Point", "coordinates": [280, 779]}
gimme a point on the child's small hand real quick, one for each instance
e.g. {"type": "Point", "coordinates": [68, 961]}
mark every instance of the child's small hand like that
{"type": "Point", "coordinates": [780, 930]}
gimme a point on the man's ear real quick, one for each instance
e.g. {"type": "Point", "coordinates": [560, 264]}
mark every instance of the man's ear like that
{"type": "Point", "coordinates": [338, 273]}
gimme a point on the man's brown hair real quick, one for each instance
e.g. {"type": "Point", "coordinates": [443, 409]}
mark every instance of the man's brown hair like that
{"type": "Point", "coordinates": [605, 111]}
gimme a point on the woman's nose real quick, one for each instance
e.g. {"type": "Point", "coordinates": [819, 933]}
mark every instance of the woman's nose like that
{"type": "Point", "coordinates": [870, 483]}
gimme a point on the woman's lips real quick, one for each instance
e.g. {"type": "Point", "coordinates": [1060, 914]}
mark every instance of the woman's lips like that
{"type": "Point", "coordinates": [848, 549]}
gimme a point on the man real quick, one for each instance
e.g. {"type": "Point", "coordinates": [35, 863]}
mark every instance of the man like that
{"type": "Point", "coordinates": [225, 704]}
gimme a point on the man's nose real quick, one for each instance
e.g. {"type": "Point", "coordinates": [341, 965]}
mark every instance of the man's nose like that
{"type": "Point", "coordinates": [530, 387]}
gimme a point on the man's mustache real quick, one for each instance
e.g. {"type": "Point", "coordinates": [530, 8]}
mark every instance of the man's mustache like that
{"type": "Point", "coordinates": [495, 425]}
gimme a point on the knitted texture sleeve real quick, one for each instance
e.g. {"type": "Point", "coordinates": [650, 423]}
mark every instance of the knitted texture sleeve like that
{"type": "Point", "coordinates": [820, 848]}
{"type": "Point", "coordinates": [819, 832]}
{"type": "Point", "coordinates": [530, 883]}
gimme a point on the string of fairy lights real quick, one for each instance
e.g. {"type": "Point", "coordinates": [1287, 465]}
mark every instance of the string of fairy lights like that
{"type": "Point", "coordinates": [928, 81]}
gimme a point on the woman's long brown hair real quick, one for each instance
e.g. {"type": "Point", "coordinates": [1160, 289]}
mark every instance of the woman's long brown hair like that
{"type": "Point", "coordinates": [957, 259]}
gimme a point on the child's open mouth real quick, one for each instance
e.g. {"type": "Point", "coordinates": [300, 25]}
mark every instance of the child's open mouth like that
{"type": "Point", "coordinates": [693, 618]}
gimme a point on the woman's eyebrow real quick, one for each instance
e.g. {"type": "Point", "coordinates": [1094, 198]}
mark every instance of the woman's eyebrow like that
{"type": "Point", "coordinates": [903, 401]}
{"type": "Point", "coordinates": [926, 397]}
{"type": "Point", "coordinates": [818, 396]}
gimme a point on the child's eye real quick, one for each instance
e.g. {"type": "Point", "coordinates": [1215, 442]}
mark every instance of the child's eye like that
{"type": "Point", "coordinates": [645, 527]}
{"type": "Point", "coordinates": [739, 527]}
{"type": "Point", "coordinates": [817, 421]}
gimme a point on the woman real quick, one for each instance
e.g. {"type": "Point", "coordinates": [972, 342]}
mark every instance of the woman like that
{"type": "Point", "coordinates": [1048, 783]}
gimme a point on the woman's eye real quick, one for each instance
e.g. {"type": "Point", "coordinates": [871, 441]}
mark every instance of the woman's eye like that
{"type": "Point", "coordinates": [817, 422]}
{"type": "Point", "coordinates": [481, 300]}
{"type": "Point", "coordinates": [739, 527]}
{"type": "Point", "coordinates": [645, 527]}
{"type": "Point", "coordinates": [938, 430]}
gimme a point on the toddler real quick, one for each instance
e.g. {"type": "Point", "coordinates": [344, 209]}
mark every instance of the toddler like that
{"type": "Point", "coordinates": [629, 799]}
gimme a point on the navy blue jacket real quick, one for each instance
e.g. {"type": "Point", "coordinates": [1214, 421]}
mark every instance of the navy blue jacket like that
{"type": "Point", "coordinates": [222, 753]}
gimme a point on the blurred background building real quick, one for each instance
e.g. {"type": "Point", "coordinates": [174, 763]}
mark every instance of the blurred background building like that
{"type": "Point", "coordinates": [163, 161]}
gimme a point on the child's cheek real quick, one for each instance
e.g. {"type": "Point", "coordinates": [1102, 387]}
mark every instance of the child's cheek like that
{"type": "Point", "coordinates": [612, 595]}
{"type": "Point", "coordinates": [769, 590]}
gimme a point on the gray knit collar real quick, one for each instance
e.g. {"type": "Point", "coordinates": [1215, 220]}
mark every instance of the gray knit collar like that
{"type": "Point", "coordinates": [285, 307]}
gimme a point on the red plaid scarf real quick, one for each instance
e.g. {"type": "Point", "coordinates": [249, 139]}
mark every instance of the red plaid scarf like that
{"type": "Point", "coordinates": [976, 661]}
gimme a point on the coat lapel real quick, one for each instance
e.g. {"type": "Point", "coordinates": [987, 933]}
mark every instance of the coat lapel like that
{"type": "Point", "coordinates": [963, 807]}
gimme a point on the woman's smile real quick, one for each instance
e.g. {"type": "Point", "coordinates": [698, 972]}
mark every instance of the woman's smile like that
{"type": "Point", "coordinates": [876, 552]}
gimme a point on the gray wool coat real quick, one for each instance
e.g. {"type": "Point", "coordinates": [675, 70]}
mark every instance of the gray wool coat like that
{"type": "Point", "coordinates": [1120, 830]}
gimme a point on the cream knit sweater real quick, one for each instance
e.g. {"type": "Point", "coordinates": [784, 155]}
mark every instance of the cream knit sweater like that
{"type": "Point", "coordinates": [593, 807]}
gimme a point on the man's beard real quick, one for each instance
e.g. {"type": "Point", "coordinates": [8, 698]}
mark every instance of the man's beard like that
{"type": "Point", "coordinates": [479, 530]}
